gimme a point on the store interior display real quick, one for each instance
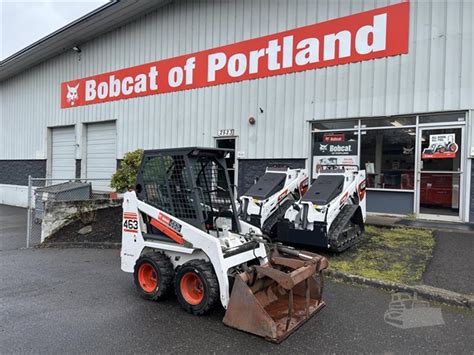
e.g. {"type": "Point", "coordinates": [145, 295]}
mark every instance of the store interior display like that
{"type": "Point", "coordinates": [420, 165]}
{"type": "Point", "coordinates": [389, 159]}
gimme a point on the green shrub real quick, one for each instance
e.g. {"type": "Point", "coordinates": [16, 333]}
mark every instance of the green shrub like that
{"type": "Point", "coordinates": [126, 175]}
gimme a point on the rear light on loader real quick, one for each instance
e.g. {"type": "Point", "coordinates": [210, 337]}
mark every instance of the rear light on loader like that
{"type": "Point", "coordinates": [362, 188]}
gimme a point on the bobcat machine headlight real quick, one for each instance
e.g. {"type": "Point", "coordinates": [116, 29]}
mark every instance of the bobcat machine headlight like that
{"type": "Point", "coordinates": [321, 209]}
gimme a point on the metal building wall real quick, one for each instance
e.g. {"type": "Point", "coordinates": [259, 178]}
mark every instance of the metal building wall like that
{"type": "Point", "coordinates": [436, 75]}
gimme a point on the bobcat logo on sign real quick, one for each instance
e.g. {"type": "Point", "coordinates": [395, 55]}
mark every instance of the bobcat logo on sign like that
{"type": "Point", "coordinates": [72, 95]}
{"type": "Point", "coordinates": [323, 147]}
{"type": "Point", "coordinates": [408, 150]}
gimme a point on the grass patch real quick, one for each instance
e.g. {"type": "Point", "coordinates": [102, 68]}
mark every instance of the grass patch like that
{"type": "Point", "coordinates": [390, 254]}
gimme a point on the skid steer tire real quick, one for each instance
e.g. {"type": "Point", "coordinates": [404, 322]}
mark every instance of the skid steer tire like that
{"type": "Point", "coordinates": [196, 287]}
{"type": "Point", "coordinates": [153, 276]}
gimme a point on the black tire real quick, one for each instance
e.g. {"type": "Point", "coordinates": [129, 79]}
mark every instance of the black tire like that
{"type": "Point", "coordinates": [161, 267]}
{"type": "Point", "coordinates": [206, 295]}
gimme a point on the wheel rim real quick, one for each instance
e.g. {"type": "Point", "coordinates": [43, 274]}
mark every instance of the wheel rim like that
{"type": "Point", "coordinates": [192, 288]}
{"type": "Point", "coordinates": [147, 277]}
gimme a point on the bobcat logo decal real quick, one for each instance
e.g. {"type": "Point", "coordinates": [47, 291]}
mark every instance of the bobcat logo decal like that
{"type": "Point", "coordinates": [72, 95]}
{"type": "Point", "coordinates": [323, 147]}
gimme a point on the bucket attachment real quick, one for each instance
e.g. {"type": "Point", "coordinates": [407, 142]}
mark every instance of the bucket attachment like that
{"type": "Point", "coordinates": [273, 300]}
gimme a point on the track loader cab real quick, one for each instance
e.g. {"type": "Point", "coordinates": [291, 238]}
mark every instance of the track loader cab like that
{"type": "Point", "coordinates": [331, 214]}
{"type": "Point", "coordinates": [181, 233]}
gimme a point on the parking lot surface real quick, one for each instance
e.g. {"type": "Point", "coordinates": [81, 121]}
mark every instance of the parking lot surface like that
{"type": "Point", "coordinates": [452, 262]}
{"type": "Point", "coordinates": [12, 227]}
{"type": "Point", "coordinates": [78, 300]}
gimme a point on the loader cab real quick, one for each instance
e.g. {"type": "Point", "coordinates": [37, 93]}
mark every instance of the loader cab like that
{"type": "Point", "coordinates": [191, 184]}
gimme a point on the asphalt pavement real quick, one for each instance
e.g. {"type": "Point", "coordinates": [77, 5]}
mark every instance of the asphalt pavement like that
{"type": "Point", "coordinates": [79, 301]}
{"type": "Point", "coordinates": [12, 227]}
{"type": "Point", "coordinates": [452, 263]}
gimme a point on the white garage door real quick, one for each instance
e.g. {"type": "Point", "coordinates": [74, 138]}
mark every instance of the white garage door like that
{"type": "Point", "coordinates": [101, 154]}
{"type": "Point", "coordinates": [63, 154]}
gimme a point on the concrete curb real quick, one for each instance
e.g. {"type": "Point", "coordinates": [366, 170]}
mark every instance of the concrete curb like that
{"type": "Point", "coordinates": [432, 228]}
{"type": "Point", "coordinates": [427, 292]}
{"type": "Point", "coordinates": [97, 245]}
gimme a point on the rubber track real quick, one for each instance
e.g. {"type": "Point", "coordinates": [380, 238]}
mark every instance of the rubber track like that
{"type": "Point", "coordinates": [275, 217]}
{"type": "Point", "coordinates": [337, 241]}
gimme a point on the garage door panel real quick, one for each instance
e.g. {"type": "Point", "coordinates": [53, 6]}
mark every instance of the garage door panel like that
{"type": "Point", "coordinates": [102, 142]}
{"type": "Point", "coordinates": [63, 153]}
{"type": "Point", "coordinates": [101, 153]}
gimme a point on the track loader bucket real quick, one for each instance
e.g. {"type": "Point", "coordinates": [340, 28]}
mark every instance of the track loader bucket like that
{"type": "Point", "coordinates": [273, 300]}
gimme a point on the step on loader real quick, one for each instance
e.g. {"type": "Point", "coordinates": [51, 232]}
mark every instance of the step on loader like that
{"type": "Point", "coordinates": [181, 233]}
{"type": "Point", "coordinates": [331, 214]}
{"type": "Point", "coordinates": [266, 202]}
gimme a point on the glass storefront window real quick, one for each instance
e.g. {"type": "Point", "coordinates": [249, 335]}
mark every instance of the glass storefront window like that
{"type": "Point", "coordinates": [441, 149]}
{"type": "Point", "coordinates": [443, 117]}
{"type": "Point", "coordinates": [386, 147]}
{"type": "Point", "coordinates": [388, 156]}
{"type": "Point", "coordinates": [338, 124]}
{"type": "Point", "coordinates": [331, 148]}
{"type": "Point", "coordinates": [389, 122]}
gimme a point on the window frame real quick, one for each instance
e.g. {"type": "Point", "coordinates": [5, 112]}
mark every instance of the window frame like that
{"type": "Point", "coordinates": [414, 161]}
{"type": "Point", "coordinates": [359, 129]}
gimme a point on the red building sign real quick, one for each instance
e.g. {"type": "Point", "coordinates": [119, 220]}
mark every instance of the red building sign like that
{"type": "Point", "coordinates": [363, 36]}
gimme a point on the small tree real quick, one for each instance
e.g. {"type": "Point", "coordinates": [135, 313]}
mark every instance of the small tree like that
{"type": "Point", "coordinates": [126, 175]}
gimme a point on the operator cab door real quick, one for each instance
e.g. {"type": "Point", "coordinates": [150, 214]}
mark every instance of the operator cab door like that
{"type": "Point", "coordinates": [440, 174]}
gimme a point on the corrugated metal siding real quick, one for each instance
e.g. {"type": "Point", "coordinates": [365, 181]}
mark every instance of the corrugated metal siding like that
{"type": "Point", "coordinates": [437, 74]}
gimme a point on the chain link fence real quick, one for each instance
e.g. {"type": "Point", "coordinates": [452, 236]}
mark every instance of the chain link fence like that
{"type": "Point", "coordinates": [43, 190]}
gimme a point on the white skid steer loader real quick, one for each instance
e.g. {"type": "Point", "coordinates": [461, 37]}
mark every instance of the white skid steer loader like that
{"type": "Point", "coordinates": [266, 202]}
{"type": "Point", "coordinates": [331, 214]}
{"type": "Point", "coordinates": [180, 231]}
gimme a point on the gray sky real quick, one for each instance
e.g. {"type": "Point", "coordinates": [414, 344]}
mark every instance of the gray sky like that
{"type": "Point", "coordinates": [24, 22]}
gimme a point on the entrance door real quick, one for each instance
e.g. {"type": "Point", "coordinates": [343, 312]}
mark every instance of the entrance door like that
{"type": "Point", "coordinates": [440, 173]}
{"type": "Point", "coordinates": [228, 143]}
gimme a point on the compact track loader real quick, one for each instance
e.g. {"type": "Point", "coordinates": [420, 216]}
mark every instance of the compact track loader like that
{"type": "Point", "coordinates": [266, 202]}
{"type": "Point", "coordinates": [181, 232]}
{"type": "Point", "coordinates": [331, 214]}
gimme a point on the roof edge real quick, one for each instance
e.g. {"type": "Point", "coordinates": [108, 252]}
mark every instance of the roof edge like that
{"type": "Point", "coordinates": [58, 31]}
{"type": "Point", "coordinates": [94, 24]}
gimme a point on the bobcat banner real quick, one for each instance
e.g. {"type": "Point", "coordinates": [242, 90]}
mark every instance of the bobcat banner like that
{"type": "Point", "coordinates": [368, 35]}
